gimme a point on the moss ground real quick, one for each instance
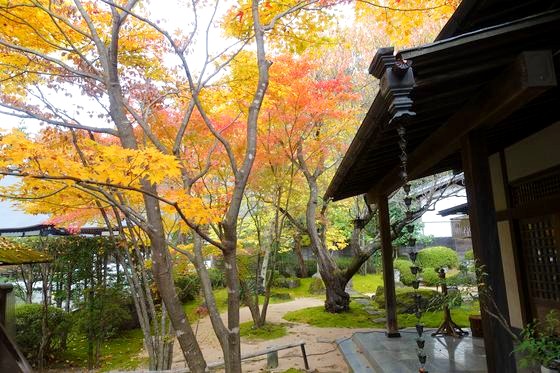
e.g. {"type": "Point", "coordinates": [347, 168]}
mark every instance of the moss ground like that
{"type": "Point", "coordinates": [367, 283]}
{"type": "Point", "coordinates": [357, 317]}
{"type": "Point", "coordinates": [121, 352]}
{"type": "Point", "coordinates": [267, 332]}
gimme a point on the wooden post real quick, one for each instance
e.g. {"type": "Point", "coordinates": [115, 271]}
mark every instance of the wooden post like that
{"type": "Point", "coordinates": [484, 232]}
{"type": "Point", "coordinates": [388, 272]}
{"type": "Point", "coordinates": [304, 354]}
{"type": "Point", "coordinates": [272, 360]}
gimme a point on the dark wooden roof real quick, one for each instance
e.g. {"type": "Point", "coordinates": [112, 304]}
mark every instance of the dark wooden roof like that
{"type": "Point", "coordinates": [49, 230]}
{"type": "Point", "coordinates": [447, 73]}
{"type": "Point", "coordinates": [474, 15]}
{"type": "Point", "coordinates": [459, 209]}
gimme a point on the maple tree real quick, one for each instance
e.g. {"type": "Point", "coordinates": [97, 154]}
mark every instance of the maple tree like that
{"type": "Point", "coordinates": [314, 141]}
{"type": "Point", "coordinates": [139, 166]}
{"type": "Point", "coordinates": [407, 22]}
{"type": "Point", "coordinates": [161, 150]}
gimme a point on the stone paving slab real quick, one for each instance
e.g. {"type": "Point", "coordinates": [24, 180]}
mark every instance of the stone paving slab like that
{"type": "Point", "coordinates": [398, 355]}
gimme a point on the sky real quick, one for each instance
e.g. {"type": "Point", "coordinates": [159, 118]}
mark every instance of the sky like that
{"type": "Point", "coordinates": [10, 217]}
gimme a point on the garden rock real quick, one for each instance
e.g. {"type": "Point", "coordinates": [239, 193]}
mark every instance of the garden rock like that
{"type": "Point", "coordinates": [316, 286]}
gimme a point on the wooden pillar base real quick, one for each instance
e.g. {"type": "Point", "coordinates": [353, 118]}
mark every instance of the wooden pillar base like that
{"type": "Point", "coordinates": [393, 334]}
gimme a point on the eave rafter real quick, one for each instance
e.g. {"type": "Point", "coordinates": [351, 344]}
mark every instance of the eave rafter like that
{"type": "Point", "coordinates": [527, 77]}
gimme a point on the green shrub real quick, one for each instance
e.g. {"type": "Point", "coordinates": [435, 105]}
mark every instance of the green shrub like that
{"type": "Point", "coordinates": [469, 254]}
{"type": "Point", "coordinates": [108, 314]}
{"type": "Point", "coordinates": [437, 257]}
{"type": "Point", "coordinates": [188, 287]}
{"type": "Point", "coordinates": [316, 286]}
{"type": "Point", "coordinates": [403, 266]}
{"type": "Point", "coordinates": [286, 282]}
{"type": "Point", "coordinates": [343, 262]}
{"type": "Point", "coordinates": [28, 319]}
{"type": "Point", "coordinates": [217, 278]}
{"type": "Point", "coordinates": [405, 299]}
{"type": "Point", "coordinates": [286, 264]}
{"type": "Point", "coordinates": [279, 281]}
{"type": "Point", "coordinates": [310, 265]}
{"type": "Point", "coordinates": [430, 277]}
{"type": "Point", "coordinates": [463, 278]}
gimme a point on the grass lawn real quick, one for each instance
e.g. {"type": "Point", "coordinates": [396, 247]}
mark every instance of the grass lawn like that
{"type": "Point", "coordinates": [367, 283]}
{"type": "Point", "coordinates": [359, 318]}
{"type": "Point", "coordinates": [267, 332]}
{"type": "Point", "coordinates": [317, 316]}
{"type": "Point", "coordinates": [121, 352]}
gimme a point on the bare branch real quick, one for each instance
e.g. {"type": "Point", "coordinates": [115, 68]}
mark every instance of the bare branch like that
{"type": "Point", "coordinates": [24, 113]}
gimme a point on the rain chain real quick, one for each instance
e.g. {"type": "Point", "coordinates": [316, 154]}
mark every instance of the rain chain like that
{"type": "Point", "coordinates": [415, 269]}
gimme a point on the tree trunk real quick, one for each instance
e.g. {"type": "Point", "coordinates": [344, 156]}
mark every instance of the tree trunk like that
{"type": "Point", "coordinates": [301, 262]}
{"type": "Point", "coordinates": [28, 282]}
{"type": "Point", "coordinates": [233, 357]}
{"type": "Point", "coordinates": [162, 269]}
{"type": "Point", "coordinates": [68, 290]}
{"type": "Point", "coordinates": [45, 332]}
{"type": "Point", "coordinates": [338, 299]}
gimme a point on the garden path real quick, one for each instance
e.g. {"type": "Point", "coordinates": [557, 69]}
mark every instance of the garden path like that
{"type": "Point", "coordinates": [321, 346]}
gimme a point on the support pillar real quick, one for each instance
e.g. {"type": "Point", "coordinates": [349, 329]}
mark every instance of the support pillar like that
{"type": "Point", "coordinates": [388, 272]}
{"type": "Point", "coordinates": [484, 232]}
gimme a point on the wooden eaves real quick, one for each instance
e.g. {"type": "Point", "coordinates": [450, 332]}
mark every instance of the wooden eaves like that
{"type": "Point", "coordinates": [448, 74]}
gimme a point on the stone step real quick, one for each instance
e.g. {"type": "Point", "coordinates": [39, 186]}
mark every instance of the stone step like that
{"type": "Point", "coordinates": [362, 300]}
{"type": "Point", "coordinates": [383, 360]}
{"type": "Point", "coordinates": [354, 357]}
{"type": "Point", "coordinates": [398, 355]}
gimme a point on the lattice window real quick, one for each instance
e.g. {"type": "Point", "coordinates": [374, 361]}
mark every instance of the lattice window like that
{"type": "Point", "coordinates": [533, 190]}
{"type": "Point", "coordinates": [541, 254]}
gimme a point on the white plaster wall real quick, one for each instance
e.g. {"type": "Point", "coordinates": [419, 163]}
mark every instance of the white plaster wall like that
{"type": "Point", "coordinates": [437, 225]}
{"type": "Point", "coordinates": [535, 153]}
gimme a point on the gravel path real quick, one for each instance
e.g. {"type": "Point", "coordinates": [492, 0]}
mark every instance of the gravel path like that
{"type": "Point", "coordinates": [320, 342]}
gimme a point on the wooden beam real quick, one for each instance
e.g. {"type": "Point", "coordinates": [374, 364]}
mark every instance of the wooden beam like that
{"type": "Point", "coordinates": [529, 75]}
{"type": "Point", "coordinates": [486, 247]}
{"type": "Point", "coordinates": [388, 272]}
{"type": "Point", "coordinates": [470, 38]}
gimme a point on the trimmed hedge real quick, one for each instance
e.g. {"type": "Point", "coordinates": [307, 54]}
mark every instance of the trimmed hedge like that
{"type": "Point", "coordinates": [430, 277]}
{"type": "Point", "coordinates": [405, 299]}
{"type": "Point", "coordinates": [29, 330]}
{"type": "Point", "coordinates": [469, 254]}
{"type": "Point", "coordinates": [437, 257]}
{"type": "Point", "coordinates": [403, 265]}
